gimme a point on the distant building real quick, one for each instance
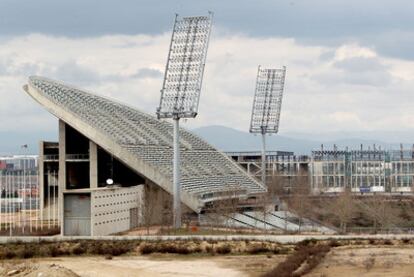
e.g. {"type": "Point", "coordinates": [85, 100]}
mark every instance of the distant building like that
{"type": "Point", "coordinates": [333, 171]}
{"type": "Point", "coordinates": [19, 162]}
{"type": "Point", "coordinates": [283, 168]}
{"type": "Point", "coordinates": [362, 171]}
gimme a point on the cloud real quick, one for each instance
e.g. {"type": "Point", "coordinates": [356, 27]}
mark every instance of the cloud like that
{"type": "Point", "coordinates": [355, 65]}
{"type": "Point", "coordinates": [364, 71]}
{"type": "Point", "coordinates": [148, 73]}
{"type": "Point", "coordinates": [349, 87]}
{"type": "Point", "coordinates": [75, 73]}
{"type": "Point", "coordinates": [386, 26]}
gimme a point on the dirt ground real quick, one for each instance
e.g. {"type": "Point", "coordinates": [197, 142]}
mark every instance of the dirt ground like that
{"type": "Point", "coordinates": [344, 261]}
{"type": "Point", "coordinates": [161, 265]}
{"type": "Point", "coordinates": [378, 261]}
{"type": "Point", "coordinates": [28, 269]}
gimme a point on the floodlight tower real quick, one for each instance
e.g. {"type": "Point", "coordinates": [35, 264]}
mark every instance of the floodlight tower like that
{"type": "Point", "coordinates": [180, 93]}
{"type": "Point", "coordinates": [266, 106]}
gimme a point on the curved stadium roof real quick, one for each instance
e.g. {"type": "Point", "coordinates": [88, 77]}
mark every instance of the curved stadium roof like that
{"type": "Point", "coordinates": [144, 143]}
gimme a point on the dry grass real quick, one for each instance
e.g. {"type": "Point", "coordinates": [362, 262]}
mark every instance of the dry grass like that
{"type": "Point", "coordinates": [309, 251]}
{"type": "Point", "coordinates": [116, 248]}
{"type": "Point", "coordinates": [73, 248]}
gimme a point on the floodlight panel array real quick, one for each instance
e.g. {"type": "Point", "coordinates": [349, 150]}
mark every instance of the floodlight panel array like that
{"type": "Point", "coordinates": [185, 66]}
{"type": "Point", "coordinates": [267, 100]}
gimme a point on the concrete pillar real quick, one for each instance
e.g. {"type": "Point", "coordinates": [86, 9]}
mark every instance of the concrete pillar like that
{"type": "Point", "coordinates": [93, 164]}
{"type": "Point", "coordinates": [62, 171]}
{"type": "Point", "coordinates": [155, 205]}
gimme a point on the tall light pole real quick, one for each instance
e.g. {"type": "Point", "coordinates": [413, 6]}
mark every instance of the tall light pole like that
{"type": "Point", "coordinates": [267, 104]}
{"type": "Point", "coordinates": [180, 93]}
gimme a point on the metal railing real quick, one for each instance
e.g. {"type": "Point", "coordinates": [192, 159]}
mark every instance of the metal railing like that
{"type": "Point", "coordinates": [77, 156]}
{"type": "Point", "coordinates": [51, 157]}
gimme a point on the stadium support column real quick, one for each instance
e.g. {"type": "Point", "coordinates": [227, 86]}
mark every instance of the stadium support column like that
{"type": "Point", "coordinates": [61, 173]}
{"type": "Point", "coordinates": [93, 164]}
{"type": "Point", "coordinates": [176, 174]}
{"type": "Point", "coordinates": [263, 158]}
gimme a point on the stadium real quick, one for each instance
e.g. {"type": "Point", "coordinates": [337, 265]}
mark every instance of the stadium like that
{"type": "Point", "coordinates": [101, 139]}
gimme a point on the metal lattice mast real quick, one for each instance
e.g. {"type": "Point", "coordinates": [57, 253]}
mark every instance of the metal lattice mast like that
{"type": "Point", "coordinates": [180, 93]}
{"type": "Point", "coordinates": [267, 104]}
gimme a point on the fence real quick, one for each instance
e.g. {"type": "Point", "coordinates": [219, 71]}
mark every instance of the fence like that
{"type": "Point", "coordinates": [23, 210]}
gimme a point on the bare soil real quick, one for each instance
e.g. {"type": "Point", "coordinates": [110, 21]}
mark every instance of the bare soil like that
{"type": "Point", "coordinates": [378, 261]}
{"type": "Point", "coordinates": [156, 265]}
{"type": "Point", "coordinates": [28, 269]}
{"type": "Point", "coordinates": [353, 258]}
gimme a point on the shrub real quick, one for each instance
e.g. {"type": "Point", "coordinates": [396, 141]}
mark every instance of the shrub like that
{"type": "Point", "coordinates": [166, 248]}
{"type": "Point", "coordinates": [334, 243]}
{"type": "Point", "coordinates": [26, 252]}
{"type": "Point", "coordinates": [97, 248]}
{"type": "Point", "coordinates": [118, 250]}
{"type": "Point", "coordinates": [7, 253]}
{"type": "Point", "coordinates": [197, 249]}
{"type": "Point", "coordinates": [210, 250]}
{"type": "Point", "coordinates": [223, 249]}
{"type": "Point", "coordinates": [182, 250]}
{"type": "Point", "coordinates": [10, 254]}
{"type": "Point", "coordinates": [281, 251]}
{"type": "Point", "coordinates": [171, 248]}
{"type": "Point", "coordinates": [311, 254]}
{"type": "Point", "coordinates": [307, 242]}
{"type": "Point", "coordinates": [54, 251]}
{"type": "Point", "coordinates": [79, 249]}
{"type": "Point", "coordinates": [148, 249]}
{"type": "Point", "coordinates": [114, 248]}
{"type": "Point", "coordinates": [258, 249]}
{"type": "Point", "coordinates": [369, 263]}
{"type": "Point", "coordinates": [113, 251]}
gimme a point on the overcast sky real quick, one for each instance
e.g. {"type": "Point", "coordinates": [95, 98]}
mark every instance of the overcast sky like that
{"type": "Point", "coordinates": [350, 64]}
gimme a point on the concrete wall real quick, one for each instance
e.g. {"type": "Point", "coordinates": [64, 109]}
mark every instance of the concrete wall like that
{"type": "Point", "coordinates": [111, 209]}
{"type": "Point", "coordinates": [155, 205]}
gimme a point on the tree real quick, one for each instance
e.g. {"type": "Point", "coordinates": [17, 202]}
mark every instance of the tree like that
{"type": "Point", "coordinates": [379, 209]}
{"type": "Point", "coordinates": [221, 211]}
{"type": "Point", "coordinates": [299, 200]}
{"type": "Point", "coordinates": [344, 207]}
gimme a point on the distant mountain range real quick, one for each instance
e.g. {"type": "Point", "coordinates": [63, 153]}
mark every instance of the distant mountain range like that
{"type": "Point", "coordinates": [228, 139]}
